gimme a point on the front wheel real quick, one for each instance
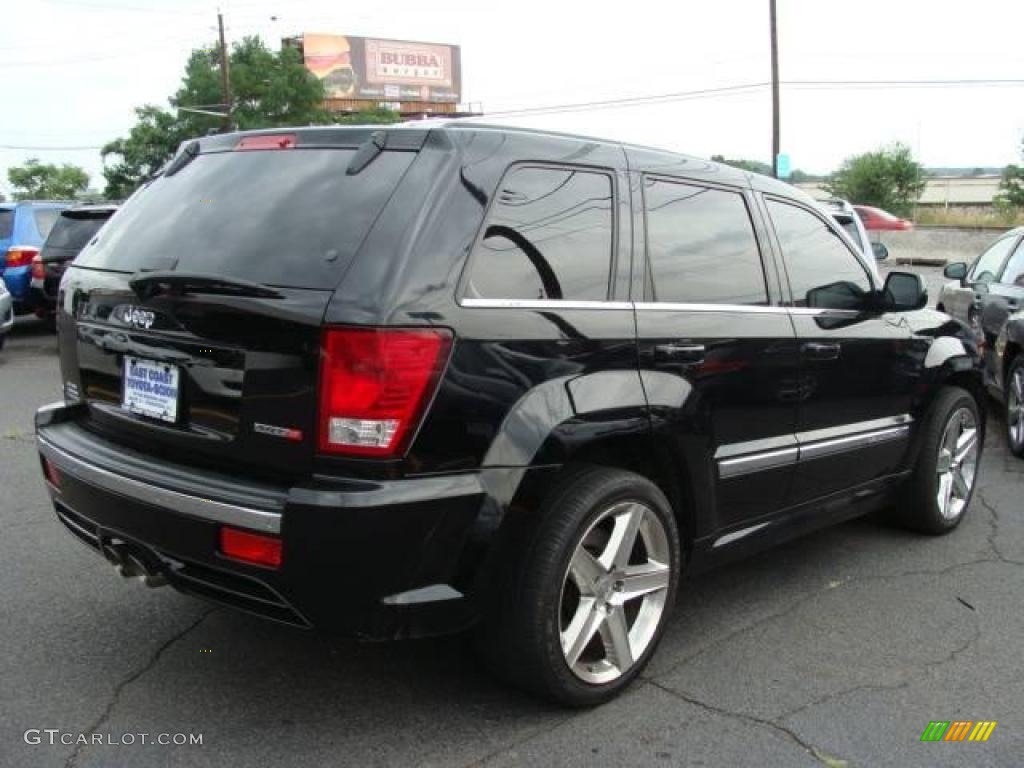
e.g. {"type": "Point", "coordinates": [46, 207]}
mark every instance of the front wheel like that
{"type": "Point", "coordinates": [584, 610]}
{"type": "Point", "coordinates": [1015, 406]}
{"type": "Point", "coordinates": [941, 486]}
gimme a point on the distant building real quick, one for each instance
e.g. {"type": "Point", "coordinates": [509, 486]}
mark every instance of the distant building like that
{"type": "Point", "coordinates": [940, 191]}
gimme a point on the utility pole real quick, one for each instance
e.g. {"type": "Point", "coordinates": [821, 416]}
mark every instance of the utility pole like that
{"type": "Point", "coordinates": [225, 75]}
{"type": "Point", "coordinates": [775, 91]}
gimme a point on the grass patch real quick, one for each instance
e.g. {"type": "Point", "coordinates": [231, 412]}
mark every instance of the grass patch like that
{"type": "Point", "coordinates": [986, 218]}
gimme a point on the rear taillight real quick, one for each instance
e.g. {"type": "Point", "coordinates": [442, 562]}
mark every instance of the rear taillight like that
{"type": "Point", "coordinates": [37, 267]}
{"type": "Point", "coordinates": [248, 547]}
{"type": "Point", "coordinates": [21, 255]}
{"type": "Point", "coordinates": [374, 386]}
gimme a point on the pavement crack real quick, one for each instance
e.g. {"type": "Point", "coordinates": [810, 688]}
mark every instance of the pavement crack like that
{"type": "Point", "coordinates": [993, 524]}
{"type": "Point", "coordinates": [119, 689]}
{"type": "Point", "coordinates": [822, 757]}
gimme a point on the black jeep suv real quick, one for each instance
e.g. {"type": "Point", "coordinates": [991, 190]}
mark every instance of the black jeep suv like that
{"type": "Point", "coordinates": [424, 379]}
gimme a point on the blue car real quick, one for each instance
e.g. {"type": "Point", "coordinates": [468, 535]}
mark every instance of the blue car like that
{"type": "Point", "coordinates": [23, 228]}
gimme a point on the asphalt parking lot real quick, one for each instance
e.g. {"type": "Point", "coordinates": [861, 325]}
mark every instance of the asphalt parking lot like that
{"type": "Point", "coordinates": [837, 649]}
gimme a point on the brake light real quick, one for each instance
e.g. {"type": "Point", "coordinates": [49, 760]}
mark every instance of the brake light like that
{"type": "Point", "coordinates": [21, 255]}
{"type": "Point", "coordinates": [273, 141]}
{"type": "Point", "coordinates": [51, 474]}
{"type": "Point", "coordinates": [37, 267]}
{"type": "Point", "coordinates": [374, 386]}
{"type": "Point", "coordinates": [248, 547]}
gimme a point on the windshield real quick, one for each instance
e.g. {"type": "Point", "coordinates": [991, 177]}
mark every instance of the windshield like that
{"type": "Point", "coordinates": [290, 218]}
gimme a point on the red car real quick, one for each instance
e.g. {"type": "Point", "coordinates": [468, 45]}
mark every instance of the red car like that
{"type": "Point", "coordinates": [876, 219]}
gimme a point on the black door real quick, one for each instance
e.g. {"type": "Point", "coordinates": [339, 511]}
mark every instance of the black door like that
{"type": "Point", "coordinates": [859, 367]}
{"type": "Point", "coordinates": [717, 353]}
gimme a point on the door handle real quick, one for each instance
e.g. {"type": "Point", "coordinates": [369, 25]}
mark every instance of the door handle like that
{"type": "Point", "coordinates": [679, 353]}
{"type": "Point", "coordinates": [822, 350]}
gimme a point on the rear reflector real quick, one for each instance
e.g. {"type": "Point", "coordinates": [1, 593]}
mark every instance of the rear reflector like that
{"type": "Point", "coordinates": [273, 141]}
{"type": "Point", "coordinates": [51, 474]}
{"type": "Point", "coordinates": [374, 386]}
{"type": "Point", "coordinates": [21, 255]}
{"type": "Point", "coordinates": [248, 547]}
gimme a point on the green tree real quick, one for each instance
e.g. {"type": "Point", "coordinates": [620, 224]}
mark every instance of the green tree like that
{"type": "Point", "coordinates": [268, 89]}
{"type": "Point", "coordinates": [754, 166]}
{"type": "Point", "coordinates": [44, 181]}
{"type": "Point", "coordinates": [889, 178]}
{"type": "Point", "coordinates": [1011, 186]}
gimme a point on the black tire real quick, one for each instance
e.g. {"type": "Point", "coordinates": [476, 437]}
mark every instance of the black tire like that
{"type": "Point", "coordinates": [1015, 444]}
{"type": "Point", "coordinates": [520, 637]}
{"type": "Point", "coordinates": [3, 338]}
{"type": "Point", "coordinates": [919, 508]}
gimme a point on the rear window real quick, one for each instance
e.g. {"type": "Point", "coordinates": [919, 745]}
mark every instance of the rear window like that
{"type": "Point", "coordinates": [6, 223]}
{"type": "Point", "coordinates": [290, 218]}
{"type": "Point", "coordinates": [45, 219]}
{"type": "Point", "coordinates": [70, 234]}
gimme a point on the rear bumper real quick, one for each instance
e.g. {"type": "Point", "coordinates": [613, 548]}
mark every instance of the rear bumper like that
{"type": "Point", "coordinates": [19, 282]}
{"type": "Point", "coordinates": [368, 559]}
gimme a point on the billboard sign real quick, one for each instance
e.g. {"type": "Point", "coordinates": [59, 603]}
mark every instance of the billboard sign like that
{"type": "Point", "coordinates": [384, 70]}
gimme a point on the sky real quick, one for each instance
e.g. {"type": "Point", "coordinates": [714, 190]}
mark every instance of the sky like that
{"type": "Point", "coordinates": [73, 70]}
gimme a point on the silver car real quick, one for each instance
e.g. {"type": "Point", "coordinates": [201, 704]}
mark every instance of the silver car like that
{"type": "Point", "coordinates": [6, 313]}
{"type": "Point", "coordinates": [961, 298]}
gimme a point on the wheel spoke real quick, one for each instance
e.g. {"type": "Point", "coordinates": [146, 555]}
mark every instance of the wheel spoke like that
{"type": "Point", "coordinates": [640, 580]}
{"type": "Point", "coordinates": [960, 485]}
{"type": "Point", "coordinates": [945, 462]}
{"type": "Point", "coordinates": [945, 491]}
{"type": "Point", "coordinates": [581, 629]}
{"type": "Point", "coordinates": [620, 543]}
{"type": "Point", "coordinates": [965, 444]}
{"type": "Point", "coordinates": [615, 636]}
{"type": "Point", "coordinates": [585, 571]}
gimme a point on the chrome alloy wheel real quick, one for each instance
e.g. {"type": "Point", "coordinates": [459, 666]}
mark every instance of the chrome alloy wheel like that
{"type": "Point", "coordinates": [1015, 408]}
{"type": "Point", "coordinates": [957, 464]}
{"type": "Point", "coordinates": [614, 591]}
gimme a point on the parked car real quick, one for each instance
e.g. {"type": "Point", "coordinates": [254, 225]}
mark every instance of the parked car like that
{"type": "Point", "coordinates": [74, 228]}
{"type": "Point", "coordinates": [847, 218]}
{"type": "Point", "coordinates": [1004, 377]}
{"type": "Point", "coordinates": [23, 228]}
{"type": "Point", "coordinates": [875, 219]}
{"type": "Point", "coordinates": [6, 313]}
{"type": "Point", "coordinates": [991, 271]}
{"type": "Point", "coordinates": [493, 389]}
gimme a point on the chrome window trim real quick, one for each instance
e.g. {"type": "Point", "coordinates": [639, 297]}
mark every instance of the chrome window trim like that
{"type": "Point", "coordinates": [739, 459]}
{"type": "Point", "coordinates": [543, 304]}
{"type": "Point", "coordinates": [176, 502]}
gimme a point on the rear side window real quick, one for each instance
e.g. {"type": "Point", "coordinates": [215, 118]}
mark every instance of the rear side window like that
{"type": "Point", "coordinates": [71, 233]}
{"type": "Point", "coordinates": [45, 219]}
{"type": "Point", "coordinates": [823, 271]}
{"type": "Point", "coordinates": [289, 218]}
{"type": "Point", "coordinates": [548, 235]}
{"type": "Point", "coordinates": [701, 247]}
{"type": "Point", "coordinates": [6, 223]}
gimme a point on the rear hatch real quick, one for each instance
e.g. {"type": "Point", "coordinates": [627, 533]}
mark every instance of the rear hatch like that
{"type": "Point", "coordinates": [197, 309]}
{"type": "Point", "coordinates": [71, 232]}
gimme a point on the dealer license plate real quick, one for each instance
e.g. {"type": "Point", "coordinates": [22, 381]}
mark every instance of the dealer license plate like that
{"type": "Point", "coordinates": [150, 389]}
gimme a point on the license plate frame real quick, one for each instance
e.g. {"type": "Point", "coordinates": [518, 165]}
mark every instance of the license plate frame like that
{"type": "Point", "coordinates": [150, 388]}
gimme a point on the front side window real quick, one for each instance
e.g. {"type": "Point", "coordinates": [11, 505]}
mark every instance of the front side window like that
{"type": "Point", "coordinates": [986, 268]}
{"type": "Point", "coordinates": [823, 271]}
{"type": "Point", "coordinates": [1014, 272]}
{"type": "Point", "coordinates": [701, 246]}
{"type": "Point", "coordinates": [548, 235]}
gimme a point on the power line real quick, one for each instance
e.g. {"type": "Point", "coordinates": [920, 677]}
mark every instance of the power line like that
{"type": "Point", "coordinates": [49, 149]}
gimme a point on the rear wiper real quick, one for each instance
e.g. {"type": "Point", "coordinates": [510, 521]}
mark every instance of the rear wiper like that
{"type": "Point", "coordinates": [186, 156]}
{"type": "Point", "coordinates": [148, 284]}
{"type": "Point", "coordinates": [367, 152]}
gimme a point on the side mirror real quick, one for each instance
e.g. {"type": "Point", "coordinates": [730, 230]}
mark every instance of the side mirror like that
{"type": "Point", "coordinates": [904, 291]}
{"type": "Point", "coordinates": [880, 251]}
{"type": "Point", "coordinates": [955, 271]}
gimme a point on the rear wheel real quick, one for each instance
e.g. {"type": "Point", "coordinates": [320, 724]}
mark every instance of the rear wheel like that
{"type": "Point", "coordinates": [1015, 406]}
{"type": "Point", "coordinates": [941, 486]}
{"type": "Point", "coordinates": [589, 601]}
